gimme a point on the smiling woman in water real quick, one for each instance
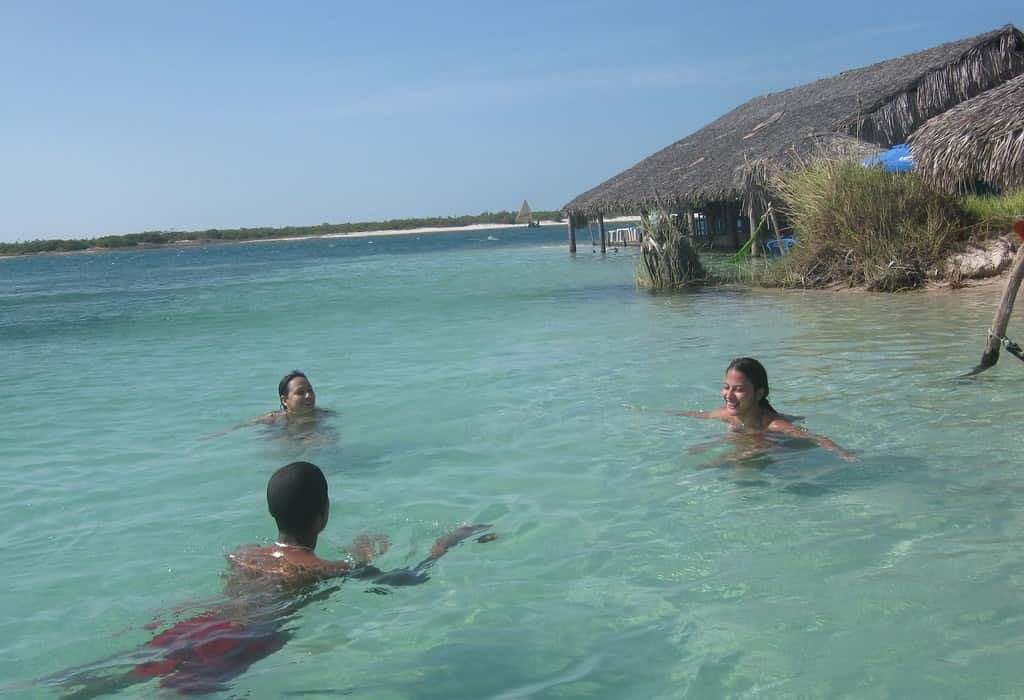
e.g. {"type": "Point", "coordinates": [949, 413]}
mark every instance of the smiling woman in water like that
{"type": "Point", "coordinates": [298, 401]}
{"type": "Point", "coordinates": [298, 418]}
{"type": "Point", "coordinates": [745, 406]}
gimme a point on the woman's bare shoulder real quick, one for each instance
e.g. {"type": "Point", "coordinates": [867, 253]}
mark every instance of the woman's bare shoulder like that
{"type": "Point", "coordinates": [268, 418]}
{"type": "Point", "coordinates": [784, 424]}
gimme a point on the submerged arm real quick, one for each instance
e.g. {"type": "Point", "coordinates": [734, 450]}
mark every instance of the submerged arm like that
{"type": "Point", "coordinates": [419, 573]}
{"type": "Point", "coordinates": [265, 419]}
{"type": "Point", "coordinates": [780, 425]}
{"type": "Point", "coordinates": [713, 413]}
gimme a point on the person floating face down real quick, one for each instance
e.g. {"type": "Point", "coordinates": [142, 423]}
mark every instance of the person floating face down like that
{"type": "Point", "coordinates": [745, 406]}
{"type": "Point", "coordinates": [264, 587]}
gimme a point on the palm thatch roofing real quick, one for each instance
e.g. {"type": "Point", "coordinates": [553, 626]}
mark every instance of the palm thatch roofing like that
{"type": "Point", "coordinates": [879, 105]}
{"type": "Point", "coordinates": [980, 139]}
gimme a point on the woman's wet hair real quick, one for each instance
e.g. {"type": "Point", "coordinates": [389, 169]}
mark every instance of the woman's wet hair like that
{"type": "Point", "coordinates": [756, 373]}
{"type": "Point", "coordinates": [296, 496]}
{"type": "Point", "coordinates": [282, 386]}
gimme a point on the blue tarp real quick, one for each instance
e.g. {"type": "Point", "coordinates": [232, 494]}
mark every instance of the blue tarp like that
{"type": "Point", "coordinates": [896, 159]}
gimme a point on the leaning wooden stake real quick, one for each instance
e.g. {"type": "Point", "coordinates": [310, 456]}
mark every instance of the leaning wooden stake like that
{"type": "Point", "coordinates": [1002, 318]}
{"type": "Point", "coordinates": [778, 231]}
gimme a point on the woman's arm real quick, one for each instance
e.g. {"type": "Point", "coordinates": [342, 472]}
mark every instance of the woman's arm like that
{"type": "Point", "coordinates": [265, 419]}
{"type": "Point", "coordinates": [713, 413]}
{"type": "Point", "coordinates": [780, 425]}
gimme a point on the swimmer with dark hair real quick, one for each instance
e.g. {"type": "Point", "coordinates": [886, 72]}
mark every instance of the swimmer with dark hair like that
{"type": "Point", "coordinates": [297, 500]}
{"type": "Point", "coordinates": [298, 401]}
{"type": "Point", "coordinates": [745, 407]}
{"type": "Point", "coordinates": [299, 417]}
{"type": "Point", "coordinates": [266, 586]}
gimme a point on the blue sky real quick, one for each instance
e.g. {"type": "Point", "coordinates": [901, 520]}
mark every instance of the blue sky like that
{"type": "Point", "coordinates": [118, 117]}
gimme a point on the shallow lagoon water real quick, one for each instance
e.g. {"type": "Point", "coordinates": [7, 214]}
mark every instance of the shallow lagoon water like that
{"type": "Point", "coordinates": [505, 381]}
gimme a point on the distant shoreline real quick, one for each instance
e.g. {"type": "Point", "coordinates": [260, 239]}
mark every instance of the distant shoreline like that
{"type": "Point", "coordinates": [280, 239]}
{"type": "Point", "coordinates": [425, 229]}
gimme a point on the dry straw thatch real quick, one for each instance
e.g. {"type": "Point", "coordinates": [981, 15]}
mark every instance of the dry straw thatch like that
{"type": "Point", "coordinates": [878, 105]}
{"type": "Point", "coordinates": [980, 139]}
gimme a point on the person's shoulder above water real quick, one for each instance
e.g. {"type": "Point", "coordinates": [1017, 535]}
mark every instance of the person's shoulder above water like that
{"type": "Point", "coordinates": [285, 563]}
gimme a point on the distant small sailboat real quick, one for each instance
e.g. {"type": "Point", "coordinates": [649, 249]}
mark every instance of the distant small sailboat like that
{"type": "Point", "coordinates": [525, 216]}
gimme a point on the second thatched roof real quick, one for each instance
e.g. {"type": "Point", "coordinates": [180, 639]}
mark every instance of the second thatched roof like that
{"type": "Point", "coordinates": [980, 139]}
{"type": "Point", "coordinates": [879, 105]}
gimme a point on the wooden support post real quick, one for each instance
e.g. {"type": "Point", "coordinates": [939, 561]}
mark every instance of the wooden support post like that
{"type": "Point", "coordinates": [1002, 317]}
{"type": "Point", "coordinates": [572, 233]}
{"type": "Point", "coordinates": [755, 247]}
{"type": "Point", "coordinates": [729, 223]}
{"type": "Point", "coordinates": [778, 231]}
{"type": "Point", "coordinates": [604, 236]}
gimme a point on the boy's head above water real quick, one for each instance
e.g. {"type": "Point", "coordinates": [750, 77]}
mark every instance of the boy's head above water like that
{"type": "Point", "coordinates": [297, 499]}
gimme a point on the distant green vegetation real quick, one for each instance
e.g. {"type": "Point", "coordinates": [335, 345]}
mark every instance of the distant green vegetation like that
{"type": "Point", "coordinates": [157, 238]}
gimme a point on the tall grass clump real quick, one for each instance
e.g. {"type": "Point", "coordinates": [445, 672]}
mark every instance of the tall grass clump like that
{"type": "Point", "coordinates": [862, 226]}
{"type": "Point", "coordinates": [668, 260]}
{"type": "Point", "coordinates": [995, 213]}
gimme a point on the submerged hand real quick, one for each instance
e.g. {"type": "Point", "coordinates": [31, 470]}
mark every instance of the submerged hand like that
{"type": "Point", "coordinates": [444, 543]}
{"type": "Point", "coordinates": [365, 547]}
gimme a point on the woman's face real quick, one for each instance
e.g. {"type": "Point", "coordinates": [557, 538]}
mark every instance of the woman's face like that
{"type": "Point", "coordinates": [739, 394]}
{"type": "Point", "coordinates": [300, 397]}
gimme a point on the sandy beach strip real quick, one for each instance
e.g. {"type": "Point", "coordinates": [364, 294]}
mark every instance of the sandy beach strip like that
{"type": "Point", "coordinates": [425, 229]}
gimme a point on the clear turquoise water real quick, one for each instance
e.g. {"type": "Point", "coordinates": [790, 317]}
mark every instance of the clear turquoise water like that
{"type": "Point", "coordinates": [507, 382]}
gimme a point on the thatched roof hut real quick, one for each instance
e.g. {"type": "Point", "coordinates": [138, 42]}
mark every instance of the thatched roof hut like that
{"type": "Point", "coordinates": [878, 105]}
{"type": "Point", "coordinates": [980, 139]}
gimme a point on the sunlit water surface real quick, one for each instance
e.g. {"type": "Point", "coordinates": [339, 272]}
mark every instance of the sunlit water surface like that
{"type": "Point", "coordinates": [505, 381]}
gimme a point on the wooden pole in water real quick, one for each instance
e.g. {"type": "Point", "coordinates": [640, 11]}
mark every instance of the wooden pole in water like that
{"type": "Point", "coordinates": [604, 236]}
{"type": "Point", "coordinates": [1002, 317]}
{"type": "Point", "coordinates": [572, 233]}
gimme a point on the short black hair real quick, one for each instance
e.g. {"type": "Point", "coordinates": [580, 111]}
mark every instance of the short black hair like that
{"type": "Point", "coordinates": [282, 386]}
{"type": "Point", "coordinates": [296, 496]}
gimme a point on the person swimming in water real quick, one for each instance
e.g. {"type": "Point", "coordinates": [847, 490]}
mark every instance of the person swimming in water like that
{"type": "Point", "coordinates": [746, 407]}
{"type": "Point", "coordinates": [298, 402]}
{"type": "Point", "coordinates": [299, 418]}
{"type": "Point", "coordinates": [265, 586]}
